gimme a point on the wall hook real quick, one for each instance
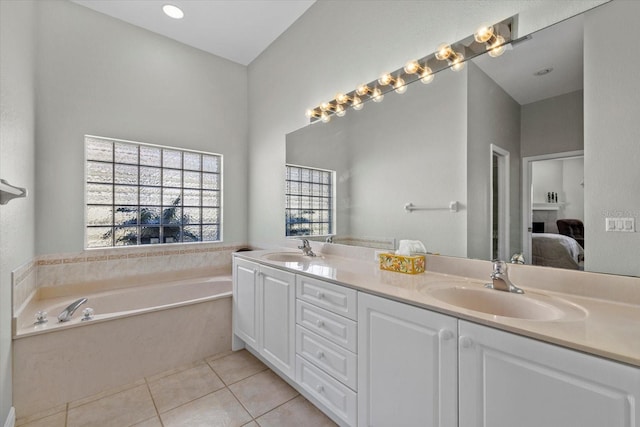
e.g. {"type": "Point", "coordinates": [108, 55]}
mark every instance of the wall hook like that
{"type": "Point", "coordinates": [9, 192]}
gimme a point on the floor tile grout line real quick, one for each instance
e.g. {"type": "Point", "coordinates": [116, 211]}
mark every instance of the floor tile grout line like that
{"type": "Point", "coordinates": [241, 404]}
{"type": "Point", "coordinates": [155, 406]}
{"type": "Point", "coordinates": [282, 404]}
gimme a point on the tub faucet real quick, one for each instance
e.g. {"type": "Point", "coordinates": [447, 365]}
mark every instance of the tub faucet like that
{"type": "Point", "coordinates": [501, 281]}
{"type": "Point", "coordinates": [306, 249]}
{"type": "Point", "coordinates": [66, 314]}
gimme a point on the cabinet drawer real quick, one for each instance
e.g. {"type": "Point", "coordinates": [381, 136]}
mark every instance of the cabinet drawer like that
{"type": "Point", "coordinates": [335, 298]}
{"type": "Point", "coordinates": [331, 358]}
{"type": "Point", "coordinates": [337, 397]}
{"type": "Point", "coordinates": [337, 329]}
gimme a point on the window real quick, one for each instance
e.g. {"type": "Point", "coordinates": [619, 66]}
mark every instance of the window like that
{"type": "Point", "coordinates": [139, 194]}
{"type": "Point", "coordinates": [309, 201]}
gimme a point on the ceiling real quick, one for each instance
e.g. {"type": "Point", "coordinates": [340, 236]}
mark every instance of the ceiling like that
{"type": "Point", "coordinates": [238, 30]}
{"type": "Point", "coordinates": [558, 47]}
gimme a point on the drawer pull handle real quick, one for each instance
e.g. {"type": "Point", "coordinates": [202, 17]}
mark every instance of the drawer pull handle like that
{"type": "Point", "coordinates": [320, 354]}
{"type": "Point", "coordinates": [445, 334]}
{"type": "Point", "coordinates": [319, 323]}
{"type": "Point", "coordinates": [320, 295]}
{"type": "Point", "coordinates": [466, 342]}
{"type": "Point", "coordinates": [319, 388]}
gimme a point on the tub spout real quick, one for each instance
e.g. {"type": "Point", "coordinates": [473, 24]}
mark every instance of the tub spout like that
{"type": "Point", "coordinates": [66, 314]}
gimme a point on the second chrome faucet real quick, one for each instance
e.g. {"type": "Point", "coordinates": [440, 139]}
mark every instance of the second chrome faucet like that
{"type": "Point", "coordinates": [500, 279]}
{"type": "Point", "coordinates": [306, 248]}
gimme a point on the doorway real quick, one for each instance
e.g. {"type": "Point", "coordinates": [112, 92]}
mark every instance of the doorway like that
{"type": "Point", "coordinates": [548, 200]}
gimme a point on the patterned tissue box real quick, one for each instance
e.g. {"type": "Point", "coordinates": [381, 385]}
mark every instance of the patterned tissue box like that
{"type": "Point", "coordinates": [402, 263]}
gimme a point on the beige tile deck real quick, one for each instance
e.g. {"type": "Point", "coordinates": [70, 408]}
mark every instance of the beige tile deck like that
{"type": "Point", "coordinates": [191, 396]}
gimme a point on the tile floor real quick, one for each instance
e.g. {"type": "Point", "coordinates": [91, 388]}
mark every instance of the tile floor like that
{"type": "Point", "coordinates": [233, 389]}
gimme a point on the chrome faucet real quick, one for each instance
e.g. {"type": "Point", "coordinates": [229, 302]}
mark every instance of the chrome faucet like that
{"type": "Point", "coordinates": [306, 249]}
{"type": "Point", "coordinates": [501, 280]}
{"type": "Point", "coordinates": [66, 314]}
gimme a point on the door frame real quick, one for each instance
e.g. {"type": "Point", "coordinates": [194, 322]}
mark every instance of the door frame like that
{"type": "Point", "coordinates": [527, 194]}
{"type": "Point", "coordinates": [504, 166]}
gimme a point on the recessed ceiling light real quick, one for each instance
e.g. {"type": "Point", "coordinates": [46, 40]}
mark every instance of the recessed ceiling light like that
{"type": "Point", "coordinates": [173, 11]}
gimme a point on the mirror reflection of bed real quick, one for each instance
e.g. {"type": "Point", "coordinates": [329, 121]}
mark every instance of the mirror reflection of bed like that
{"type": "Point", "coordinates": [557, 238]}
{"type": "Point", "coordinates": [562, 249]}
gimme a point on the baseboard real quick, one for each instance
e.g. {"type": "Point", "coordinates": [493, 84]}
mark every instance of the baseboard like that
{"type": "Point", "coordinates": [11, 418]}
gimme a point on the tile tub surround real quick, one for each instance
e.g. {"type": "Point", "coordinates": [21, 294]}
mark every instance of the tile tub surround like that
{"type": "Point", "coordinates": [67, 364]}
{"type": "Point", "coordinates": [608, 327]}
{"type": "Point", "coordinates": [105, 265]}
{"type": "Point", "coordinates": [209, 392]}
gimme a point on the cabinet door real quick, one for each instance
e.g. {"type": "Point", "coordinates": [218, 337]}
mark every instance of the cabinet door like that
{"type": "Point", "coordinates": [245, 301]}
{"type": "Point", "coordinates": [277, 318]}
{"type": "Point", "coordinates": [407, 365]}
{"type": "Point", "coordinates": [507, 380]}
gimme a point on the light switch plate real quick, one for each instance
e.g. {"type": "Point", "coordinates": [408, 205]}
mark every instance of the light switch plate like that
{"type": "Point", "coordinates": [625, 225]}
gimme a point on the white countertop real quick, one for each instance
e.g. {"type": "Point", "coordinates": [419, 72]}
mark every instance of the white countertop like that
{"type": "Point", "coordinates": [605, 328]}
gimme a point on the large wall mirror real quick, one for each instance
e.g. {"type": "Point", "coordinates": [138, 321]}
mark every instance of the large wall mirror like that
{"type": "Point", "coordinates": [481, 163]}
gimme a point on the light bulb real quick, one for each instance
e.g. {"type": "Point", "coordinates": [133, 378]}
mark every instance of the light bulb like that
{"type": "Point", "coordinates": [356, 103]}
{"type": "Point", "coordinates": [444, 51]}
{"type": "Point", "coordinates": [363, 89]}
{"type": "Point", "coordinates": [340, 111]}
{"type": "Point", "coordinates": [385, 79]}
{"type": "Point", "coordinates": [412, 67]}
{"type": "Point", "coordinates": [325, 117]}
{"type": "Point", "coordinates": [458, 63]}
{"type": "Point", "coordinates": [497, 48]}
{"type": "Point", "coordinates": [309, 113]}
{"type": "Point", "coordinates": [326, 106]}
{"type": "Point", "coordinates": [173, 11]}
{"type": "Point", "coordinates": [426, 76]}
{"type": "Point", "coordinates": [400, 86]}
{"type": "Point", "coordinates": [377, 95]}
{"type": "Point", "coordinates": [483, 34]}
{"type": "Point", "coordinates": [341, 98]}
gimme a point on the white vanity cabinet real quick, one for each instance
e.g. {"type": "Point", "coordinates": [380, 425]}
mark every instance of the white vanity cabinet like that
{"type": "Point", "coordinates": [264, 312]}
{"type": "Point", "coordinates": [326, 346]}
{"type": "Point", "coordinates": [507, 380]}
{"type": "Point", "coordinates": [367, 360]}
{"type": "Point", "coordinates": [407, 365]}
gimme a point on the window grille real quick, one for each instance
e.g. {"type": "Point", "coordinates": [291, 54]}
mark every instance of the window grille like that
{"type": "Point", "coordinates": [139, 194]}
{"type": "Point", "coordinates": [309, 209]}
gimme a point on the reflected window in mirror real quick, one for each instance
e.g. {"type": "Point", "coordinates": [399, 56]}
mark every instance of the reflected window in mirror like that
{"type": "Point", "coordinates": [309, 205]}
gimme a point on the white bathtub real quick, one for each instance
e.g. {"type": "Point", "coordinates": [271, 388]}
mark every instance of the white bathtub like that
{"type": "Point", "coordinates": [136, 332]}
{"type": "Point", "coordinates": [117, 303]}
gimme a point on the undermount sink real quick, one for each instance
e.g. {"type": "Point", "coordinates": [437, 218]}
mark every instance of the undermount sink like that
{"type": "Point", "coordinates": [530, 306]}
{"type": "Point", "coordinates": [289, 257]}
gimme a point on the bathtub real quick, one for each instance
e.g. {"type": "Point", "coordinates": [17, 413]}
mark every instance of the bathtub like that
{"type": "Point", "coordinates": [136, 331]}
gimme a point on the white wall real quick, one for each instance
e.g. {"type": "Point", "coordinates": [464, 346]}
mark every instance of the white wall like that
{"type": "Point", "coordinates": [493, 118]}
{"type": "Point", "coordinates": [97, 75]}
{"type": "Point", "coordinates": [17, 64]}
{"type": "Point", "coordinates": [572, 188]}
{"type": "Point", "coordinates": [553, 125]}
{"type": "Point", "coordinates": [335, 46]}
{"type": "Point", "coordinates": [612, 129]}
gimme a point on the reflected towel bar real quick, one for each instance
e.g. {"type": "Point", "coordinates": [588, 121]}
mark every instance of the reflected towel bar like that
{"type": "Point", "coordinates": [410, 207]}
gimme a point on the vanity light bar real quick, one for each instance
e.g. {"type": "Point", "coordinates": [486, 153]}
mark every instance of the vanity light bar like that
{"type": "Point", "coordinates": [488, 38]}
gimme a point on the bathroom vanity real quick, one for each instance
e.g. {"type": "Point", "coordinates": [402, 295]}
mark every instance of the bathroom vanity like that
{"type": "Point", "coordinates": [370, 347]}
